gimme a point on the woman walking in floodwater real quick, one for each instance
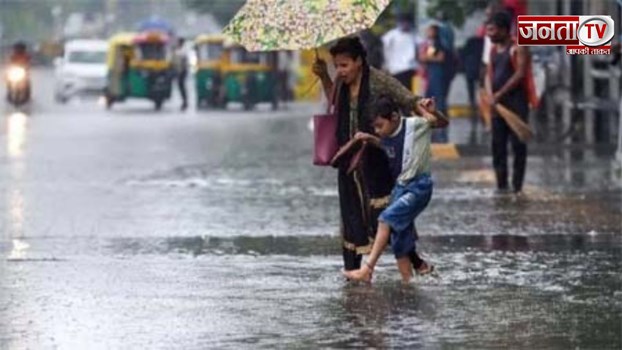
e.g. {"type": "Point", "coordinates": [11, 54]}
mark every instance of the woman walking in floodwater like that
{"type": "Point", "coordinates": [365, 192]}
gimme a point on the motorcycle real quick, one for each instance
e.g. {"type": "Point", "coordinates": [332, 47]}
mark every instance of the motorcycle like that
{"type": "Point", "coordinates": [18, 85]}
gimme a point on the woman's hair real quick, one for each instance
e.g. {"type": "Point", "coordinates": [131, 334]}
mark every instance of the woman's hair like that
{"type": "Point", "coordinates": [351, 47]}
{"type": "Point", "coordinates": [384, 107]}
{"type": "Point", "coordinates": [435, 27]}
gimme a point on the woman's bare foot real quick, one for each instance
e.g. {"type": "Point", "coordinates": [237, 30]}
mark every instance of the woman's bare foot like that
{"type": "Point", "coordinates": [363, 274]}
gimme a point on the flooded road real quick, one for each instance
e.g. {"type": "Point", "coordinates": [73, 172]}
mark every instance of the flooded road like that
{"type": "Point", "coordinates": [131, 229]}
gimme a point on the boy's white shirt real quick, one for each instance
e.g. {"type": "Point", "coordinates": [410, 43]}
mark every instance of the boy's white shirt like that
{"type": "Point", "coordinates": [417, 152]}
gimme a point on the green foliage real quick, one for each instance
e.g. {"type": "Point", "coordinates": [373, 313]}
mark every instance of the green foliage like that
{"type": "Point", "coordinates": [223, 10]}
{"type": "Point", "coordinates": [33, 19]}
{"type": "Point", "coordinates": [455, 11]}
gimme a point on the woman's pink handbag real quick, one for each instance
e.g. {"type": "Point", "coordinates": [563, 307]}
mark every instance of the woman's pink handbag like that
{"type": "Point", "coordinates": [325, 132]}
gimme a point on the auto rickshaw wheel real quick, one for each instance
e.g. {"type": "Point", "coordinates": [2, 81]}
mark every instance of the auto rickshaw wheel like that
{"type": "Point", "coordinates": [248, 103]}
{"type": "Point", "coordinates": [275, 103]}
{"type": "Point", "coordinates": [109, 102]}
{"type": "Point", "coordinates": [158, 104]}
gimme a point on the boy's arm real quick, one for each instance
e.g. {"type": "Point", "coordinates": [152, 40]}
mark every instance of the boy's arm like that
{"type": "Point", "coordinates": [369, 138]}
{"type": "Point", "coordinates": [427, 110]}
{"type": "Point", "coordinates": [436, 119]}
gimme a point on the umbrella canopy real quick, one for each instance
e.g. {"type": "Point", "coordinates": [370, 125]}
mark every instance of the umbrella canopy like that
{"type": "Point", "coordinates": [266, 25]}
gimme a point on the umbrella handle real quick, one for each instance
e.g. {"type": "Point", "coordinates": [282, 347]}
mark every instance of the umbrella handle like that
{"type": "Point", "coordinates": [310, 88]}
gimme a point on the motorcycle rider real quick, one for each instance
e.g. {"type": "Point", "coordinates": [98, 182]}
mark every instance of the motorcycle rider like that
{"type": "Point", "coordinates": [20, 57]}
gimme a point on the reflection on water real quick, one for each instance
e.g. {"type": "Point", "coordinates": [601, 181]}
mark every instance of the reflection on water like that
{"type": "Point", "coordinates": [304, 246]}
{"type": "Point", "coordinates": [18, 250]}
{"type": "Point", "coordinates": [16, 140]}
{"type": "Point", "coordinates": [16, 212]}
{"type": "Point", "coordinates": [384, 315]}
{"type": "Point", "coordinates": [16, 134]}
{"type": "Point", "coordinates": [16, 222]}
{"type": "Point", "coordinates": [239, 252]}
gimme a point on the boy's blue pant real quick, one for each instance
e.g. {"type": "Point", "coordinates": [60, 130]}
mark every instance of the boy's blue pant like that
{"type": "Point", "coordinates": [407, 202]}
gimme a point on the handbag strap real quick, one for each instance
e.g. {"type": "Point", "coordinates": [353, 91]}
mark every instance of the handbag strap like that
{"type": "Point", "coordinates": [332, 103]}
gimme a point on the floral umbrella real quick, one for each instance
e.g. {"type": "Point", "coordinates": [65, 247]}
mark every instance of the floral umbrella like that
{"type": "Point", "coordinates": [267, 25]}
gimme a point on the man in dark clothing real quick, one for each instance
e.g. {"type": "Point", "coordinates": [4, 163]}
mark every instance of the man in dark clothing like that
{"type": "Point", "coordinates": [181, 69]}
{"type": "Point", "coordinates": [471, 58]}
{"type": "Point", "coordinates": [506, 83]}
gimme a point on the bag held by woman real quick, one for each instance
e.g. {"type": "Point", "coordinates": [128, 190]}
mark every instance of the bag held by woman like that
{"type": "Point", "coordinates": [325, 132]}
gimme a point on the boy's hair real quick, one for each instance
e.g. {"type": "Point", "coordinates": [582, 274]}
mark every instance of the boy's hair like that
{"type": "Point", "coordinates": [384, 107]}
{"type": "Point", "coordinates": [501, 20]}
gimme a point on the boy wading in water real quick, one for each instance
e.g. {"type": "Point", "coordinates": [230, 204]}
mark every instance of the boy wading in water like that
{"type": "Point", "coordinates": [407, 144]}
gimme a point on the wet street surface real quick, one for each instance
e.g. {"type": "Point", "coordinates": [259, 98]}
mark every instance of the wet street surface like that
{"type": "Point", "coordinates": [135, 229]}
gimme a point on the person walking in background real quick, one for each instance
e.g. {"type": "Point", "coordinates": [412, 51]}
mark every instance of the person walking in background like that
{"type": "Point", "coordinates": [447, 39]}
{"type": "Point", "coordinates": [507, 72]}
{"type": "Point", "coordinates": [434, 57]}
{"type": "Point", "coordinates": [373, 46]}
{"type": "Point", "coordinates": [515, 8]}
{"type": "Point", "coordinates": [181, 71]}
{"type": "Point", "coordinates": [284, 61]}
{"type": "Point", "coordinates": [400, 51]}
{"type": "Point", "coordinates": [471, 58]}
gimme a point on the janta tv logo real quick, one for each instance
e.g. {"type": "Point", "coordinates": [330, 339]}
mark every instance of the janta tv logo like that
{"type": "Point", "coordinates": [582, 35]}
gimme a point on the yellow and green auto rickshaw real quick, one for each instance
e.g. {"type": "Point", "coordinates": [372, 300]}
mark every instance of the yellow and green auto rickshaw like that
{"type": "Point", "coordinates": [249, 77]}
{"type": "Point", "coordinates": [211, 58]}
{"type": "Point", "coordinates": [139, 66]}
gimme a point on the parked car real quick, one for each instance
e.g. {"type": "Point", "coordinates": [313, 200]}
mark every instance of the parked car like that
{"type": "Point", "coordinates": [81, 70]}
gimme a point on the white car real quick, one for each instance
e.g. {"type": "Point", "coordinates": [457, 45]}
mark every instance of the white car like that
{"type": "Point", "coordinates": [82, 70]}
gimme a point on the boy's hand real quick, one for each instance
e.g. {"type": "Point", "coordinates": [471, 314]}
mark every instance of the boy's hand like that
{"type": "Point", "coordinates": [362, 136]}
{"type": "Point", "coordinates": [495, 99]}
{"type": "Point", "coordinates": [429, 104]}
{"type": "Point", "coordinates": [427, 109]}
{"type": "Point", "coordinates": [421, 108]}
{"type": "Point", "coordinates": [426, 105]}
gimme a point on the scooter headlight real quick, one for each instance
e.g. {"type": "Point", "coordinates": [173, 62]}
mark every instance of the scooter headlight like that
{"type": "Point", "coordinates": [16, 74]}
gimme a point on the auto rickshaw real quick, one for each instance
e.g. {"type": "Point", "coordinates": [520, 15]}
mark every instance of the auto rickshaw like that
{"type": "Point", "coordinates": [139, 66]}
{"type": "Point", "coordinates": [249, 77]}
{"type": "Point", "coordinates": [211, 58]}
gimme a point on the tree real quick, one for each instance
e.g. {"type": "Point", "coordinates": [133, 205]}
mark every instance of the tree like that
{"type": "Point", "coordinates": [223, 10]}
{"type": "Point", "coordinates": [454, 11]}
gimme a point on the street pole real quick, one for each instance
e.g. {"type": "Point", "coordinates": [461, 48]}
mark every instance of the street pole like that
{"type": "Point", "coordinates": [619, 152]}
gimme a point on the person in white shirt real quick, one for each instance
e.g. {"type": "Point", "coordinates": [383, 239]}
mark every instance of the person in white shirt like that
{"type": "Point", "coordinates": [399, 47]}
{"type": "Point", "coordinates": [181, 65]}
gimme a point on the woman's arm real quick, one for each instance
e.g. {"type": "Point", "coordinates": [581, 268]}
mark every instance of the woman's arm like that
{"type": "Point", "coordinates": [321, 71]}
{"type": "Point", "coordinates": [383, 83]}
{"type": "Point", "coordinates": [327, 85]}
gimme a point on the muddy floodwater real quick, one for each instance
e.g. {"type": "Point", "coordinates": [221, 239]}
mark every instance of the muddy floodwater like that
{"type": "Point", "coordinates": [129, 229]}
